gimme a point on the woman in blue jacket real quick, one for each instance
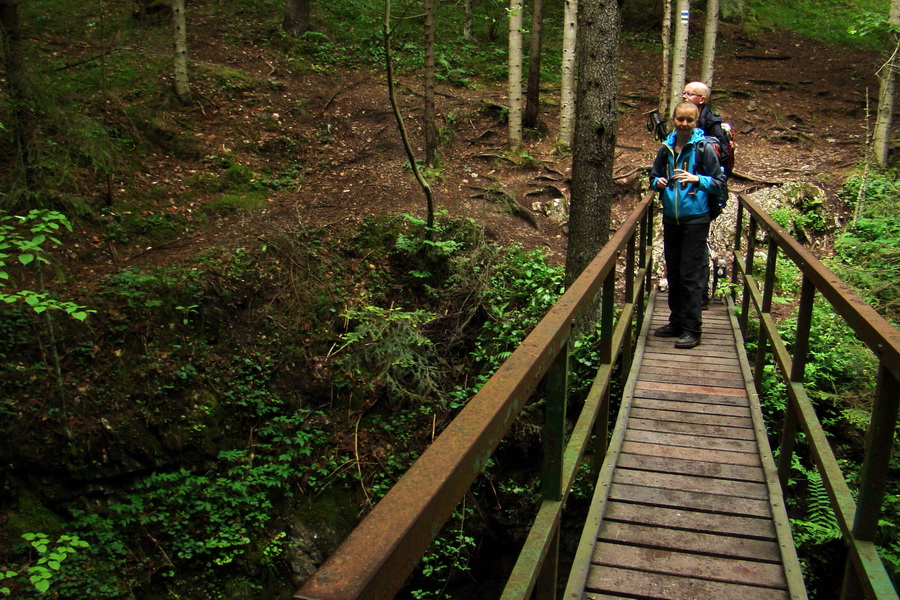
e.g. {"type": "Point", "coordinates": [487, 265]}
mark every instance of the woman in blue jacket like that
{"type": "Point", "coordinates": [685, 178]}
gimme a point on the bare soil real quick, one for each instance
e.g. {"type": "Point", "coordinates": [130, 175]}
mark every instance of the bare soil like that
{"type": "Point", "coordinates": [798, 107]}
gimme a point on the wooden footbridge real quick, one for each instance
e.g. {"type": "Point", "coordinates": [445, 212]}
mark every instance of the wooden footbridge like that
{"type": "Point", "coordinates": [688, 502]}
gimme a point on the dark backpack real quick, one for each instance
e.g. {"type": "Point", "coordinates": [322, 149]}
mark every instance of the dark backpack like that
{"type": "Point", "coordinates": [724, 143]}
{"type": "Point", "coordinates": [716, 201]}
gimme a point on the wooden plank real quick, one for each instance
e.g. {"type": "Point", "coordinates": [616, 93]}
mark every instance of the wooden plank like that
{"type": "Point", "coordinates": [679, 359]}
{"type": "Point", "coordinates": [691, 483]}
{"type": "Point", "coordinates": [705, 378]}
{"type": "Point", "coordinates": [690, 441]}
{"type": "Point", "coordinates": [698, 390]}
{"type": "Point", "coordinates": [694, 370]}
{"type": "Point", "coordinates": [658, 586]}
{"type": "Point", "coordinates": [681, 518]}
{"type": "Point", "coordinates": [704, 397]}
{"type": "Point", "coordinates": [691, 467]}
{"type": "Point", "coordinates": [728, 505]}
{"type": "Point", "coordinates": [741, 411]}
{"type": "Point", "coordinates": [702, 429]}
{"type": "Point", "coordinates": [720, 456]}
{"type": "Point", "coordinates": [701, 418]}
{"type": "Point", "coordinates": [690, 541]}
{"type": "Point", "coordinates": [685, 564]}
{"type": "Point", "coordinates": [707, 347]}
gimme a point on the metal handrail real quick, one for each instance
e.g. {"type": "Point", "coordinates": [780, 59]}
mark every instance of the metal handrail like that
{"type": "Point", "coordinates": [865, 575]}
{"type": "Point", "coordinates": [378, 556]}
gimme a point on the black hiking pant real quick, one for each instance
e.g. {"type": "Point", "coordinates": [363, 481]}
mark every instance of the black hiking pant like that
{"type": "Point", "coordinates": [685, 250]}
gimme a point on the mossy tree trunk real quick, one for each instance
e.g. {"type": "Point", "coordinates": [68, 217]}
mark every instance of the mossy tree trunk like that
{"type": "Point", "coordinates": [679, 53]}
{"type": "Point", "coordinates": [709, 42]}
{"type": "Point", "coordinates": [881, 137]}
{"type": "Point", "coordinates": [533, 89]}
{"type": "Point", "coordinates": [567, 83]}
{"type": "Point", "coordinates": [665, 82]}
{"type": "Point", "coordinates": [16, 90]}
{"type": "Point", "coordinates": [179, 24]}
{"type": "Point", "coordinates": [515, 75]}
{"type": "Point", "coordinates": [597, 59]}
{"type": "Point", "coordinates": [296, 17]}
{"type": "Point", "coordinates": [431, 137]}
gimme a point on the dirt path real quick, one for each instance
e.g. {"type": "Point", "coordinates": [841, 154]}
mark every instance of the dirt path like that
{"type": "Point", "coordinates": [798, 108]}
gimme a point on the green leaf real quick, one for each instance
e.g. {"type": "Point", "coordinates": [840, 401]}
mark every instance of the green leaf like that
{"type": "Point", "coordinates": [42, 586]}
{"type": "Point", "coordinates": [26, 258]}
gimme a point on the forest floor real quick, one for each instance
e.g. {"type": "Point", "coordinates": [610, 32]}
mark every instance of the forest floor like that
{"type": "Point", "coordinates": [798, 108]}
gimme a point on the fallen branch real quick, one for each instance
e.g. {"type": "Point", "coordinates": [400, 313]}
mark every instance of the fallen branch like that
{"type": "Point", "coordinates": [630, 173]}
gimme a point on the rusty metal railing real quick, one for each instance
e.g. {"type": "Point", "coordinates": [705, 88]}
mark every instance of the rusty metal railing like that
{"type": "Point", "coordinates": [378, 556]}
{"type": "Point", "coordinates": [865, 575]}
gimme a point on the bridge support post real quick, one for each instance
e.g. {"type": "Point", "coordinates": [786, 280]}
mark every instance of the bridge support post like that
{"type": "Point", "coordinates": [554, 447]}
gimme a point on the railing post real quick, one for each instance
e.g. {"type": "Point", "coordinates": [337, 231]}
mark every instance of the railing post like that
{"type": "Point", "coordinates": [759, 362]}
{"type": "Point", "coordinates": [601, 427]}
{"type": "Point", "coordinates": [798, 374]}
{"type": "Point", "coordinates": [748, 271]}
{"type": "Point", "coordinates": [875, 467]}
{"type": "Point", "coordinates": [630, 272]}
{"type": "Point", "coordinates": [738, 227]}
{"type": "Point", "coordinates": [554, 435]}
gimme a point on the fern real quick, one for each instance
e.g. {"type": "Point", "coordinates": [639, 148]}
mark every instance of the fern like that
{"type": "Point", "coordinates": [820, 525]}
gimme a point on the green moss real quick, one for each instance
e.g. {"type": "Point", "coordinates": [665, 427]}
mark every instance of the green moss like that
{"type": "Point", "coordinates": [336, 507]}
{"type": "Point", "coordinates": [234, 203]}
{"type": "Point", "coordinates": [32, 516]}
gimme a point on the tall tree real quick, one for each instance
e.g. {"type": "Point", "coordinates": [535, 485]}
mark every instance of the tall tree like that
{"type": "Point", "coordinates": [296, 17]}
{"type": "Point", "coordinates": [467, 19]}
{"type": "Point", "coordinates": [679, 52]}
{"type": "Point", "coordinates": [16, 87]}
{"type": "Point", "coordinates": [179, 23]}
{"type": "Point", "coordinates": [881, 136]}
{"type": "Point", "coordinates": [431, 138]}
{"type": "Point", "coordinates": [533, 90]}
{"type": "Point", "coordinates": [567, 84]}
{"type": "Point", "coordinates": [597, 59]}
{"type": "Point", "coordinates": [709, 42]}
{"type": "Point", "coordinates": [407, 147]}
{"type": "Point", "coordinates": [665, 82]}
{"type": "Point", "coordinates": [515, 74]}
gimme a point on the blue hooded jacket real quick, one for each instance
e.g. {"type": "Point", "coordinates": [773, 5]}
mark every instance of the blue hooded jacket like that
{"type": "Point", "coordinates": [687, 201]}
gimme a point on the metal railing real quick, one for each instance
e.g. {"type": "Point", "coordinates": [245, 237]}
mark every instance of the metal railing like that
{"type": "Point", "coordinates": [378, 556]}
{"type": "Point", "coordinates": [865, 575]}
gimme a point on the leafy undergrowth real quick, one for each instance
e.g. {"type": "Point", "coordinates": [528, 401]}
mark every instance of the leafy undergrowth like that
{"type": "Point", "coordinates": [207, 409]}
{"type": "Point", "coordinates": [840, 375]}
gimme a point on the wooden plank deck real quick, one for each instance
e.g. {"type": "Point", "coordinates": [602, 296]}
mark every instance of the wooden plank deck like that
{"type": "Point", "coordinates": [688, 505]}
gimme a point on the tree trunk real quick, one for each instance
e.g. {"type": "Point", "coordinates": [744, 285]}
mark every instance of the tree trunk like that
{"type": "Point", "coordinates": [404, 137]}
{"type": "Point", "coordinates": [533, 91]}
{"type": "Point", "coordinates": [16, 87]}
{"type": "Point", "coordinates": [296, 17]}
{"type": "Point", "coordinates": [182, 84]}
{"type": "Point", "coordinates": [431, 141]}
{"type": "Point", "coordinates": [467, 19]}
{"type": "Point", "coordinates": [881, 136]}
{"type": "Point", "coordinates": [597, 59]}
{"type": "Point", "coordinates": [663, 105]}
{"type": "Point", "coordinates": [515, 74]}
{"type": "Point", "coordinates": [709, 42]}
{"type": "Point", "coordinates": [567, 84]}
{"type": "Point", "coordinates": [679, 53]}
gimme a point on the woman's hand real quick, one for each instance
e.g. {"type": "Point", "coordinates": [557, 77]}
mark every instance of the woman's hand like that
{"type": "Point", "coordinates": [685, 176]}
{"type": "Point", "coordinates": [662, 182]}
